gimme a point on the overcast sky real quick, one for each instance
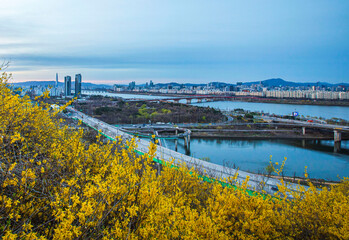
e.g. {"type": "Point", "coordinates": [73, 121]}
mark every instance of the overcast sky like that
{"type": "Point", "coordinates": [117, 41]}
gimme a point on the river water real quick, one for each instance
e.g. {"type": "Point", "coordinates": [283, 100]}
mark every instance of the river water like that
{"type": "Point", "coordinates": [254, 155]}
{"type": "Point", "coordinates": [326, 112]}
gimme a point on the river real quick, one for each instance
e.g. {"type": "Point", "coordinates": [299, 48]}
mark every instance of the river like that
{"type": "Point", "coordinates": [254, 155]}
{"type": "Point", "coordinates": [326, 112]}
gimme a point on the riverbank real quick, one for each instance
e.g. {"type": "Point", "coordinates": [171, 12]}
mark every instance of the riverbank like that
{"type": "Point", "coordinates": [344, 103]}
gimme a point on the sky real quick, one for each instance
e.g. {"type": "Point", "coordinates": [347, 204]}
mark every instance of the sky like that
{"type": "Point", "coordinates": [197, 41]}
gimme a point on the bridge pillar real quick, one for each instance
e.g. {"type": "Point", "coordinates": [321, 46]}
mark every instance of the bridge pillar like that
{"type": "Point", "coordinates": [337, 140]}
{"type": "Point", "coordinates": [303, 130]}
{"type": "Point", "coordinates": [186, 147]}
{"type": "Point", "coordinates": [176, 100]}
{"type": "Point", "coordinates": [199, 100]}
{"type": "Point", "coordinates": [176, 140]}
{"type": "Point", "coordinates": [336, 147]}
{"type": "Point", "coordinates": [187, 142]}
{"type": "Point", "coordinates": [188, 101]}
{"type": "Point", "coordinates": [337, 136]}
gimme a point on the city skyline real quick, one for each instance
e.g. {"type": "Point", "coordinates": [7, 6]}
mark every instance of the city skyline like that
{"type": "Point", "coordinates": [198, 41]}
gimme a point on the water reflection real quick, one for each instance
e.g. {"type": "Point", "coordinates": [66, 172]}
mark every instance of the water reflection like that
{"type": "Point", "coordinates": [321, 145]}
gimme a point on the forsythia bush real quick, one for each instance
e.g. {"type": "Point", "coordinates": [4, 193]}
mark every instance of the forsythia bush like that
{"type": "Point", "coordinates": [54, 185]}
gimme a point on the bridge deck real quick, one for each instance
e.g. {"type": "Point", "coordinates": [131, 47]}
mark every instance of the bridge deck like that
{"type": "Point", "coordinates": [309, 124]}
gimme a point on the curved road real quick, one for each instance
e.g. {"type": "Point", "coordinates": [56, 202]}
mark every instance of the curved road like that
{"type": "Point", "coordinates": [165, 154]}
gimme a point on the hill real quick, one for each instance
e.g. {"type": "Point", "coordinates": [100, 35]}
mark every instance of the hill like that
{"type": "Point", "coordinates": [279, 82]}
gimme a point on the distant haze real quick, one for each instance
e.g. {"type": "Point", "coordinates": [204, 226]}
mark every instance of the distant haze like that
{"type": "Point", "coordinates": [198, 41]}
{"type": "Point", "coordinates": [267, 83]}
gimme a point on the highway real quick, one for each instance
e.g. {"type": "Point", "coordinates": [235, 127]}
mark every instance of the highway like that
{"type": "Point", "coordinates": [168, 155]}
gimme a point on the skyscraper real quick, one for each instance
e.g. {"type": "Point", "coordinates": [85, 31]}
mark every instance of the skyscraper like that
{"type": "Point", "coordinates": [56, 80]}
{"type": "Point", "coordinates": [77, 84]}
{"type": "Point", "coordinates": [67, 85]}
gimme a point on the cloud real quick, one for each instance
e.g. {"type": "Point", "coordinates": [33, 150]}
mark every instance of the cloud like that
{"type": "Point", "coordinates": [198, 40]}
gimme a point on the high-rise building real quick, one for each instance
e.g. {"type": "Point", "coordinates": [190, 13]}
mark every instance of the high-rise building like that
{"type": "Point", "coordinates": [132, 85]}
{"type": "Point", "coordinates": [67, 85]}
{"type": "Point", "coordinates": [56, 80]}
{"type": "Point", "coordinates": [151, 84]}
{"type": "Point", "coordinates": [77, 84]}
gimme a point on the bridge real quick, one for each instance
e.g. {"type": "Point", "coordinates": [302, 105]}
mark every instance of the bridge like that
{"type": "Point", "coordinates": [256, 182]}
{"type": "Point", "coordinates": [94, 92]}
{"type": "Point", "coordinates": [337, 129]}
{"type": "Point", "coordinates": [188, 99]}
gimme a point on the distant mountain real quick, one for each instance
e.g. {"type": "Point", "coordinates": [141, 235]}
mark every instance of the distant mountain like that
{"type": "Point", "coordinates": [93, 85]}
{"type": "Point", "coordinates": [279, 82]}
{"type": "Point", "coordinates": [273, 82]}
{"type": "Point", "coordinates": [60, 84]}
{"type": "Point", "coordinates": [36, 83]}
